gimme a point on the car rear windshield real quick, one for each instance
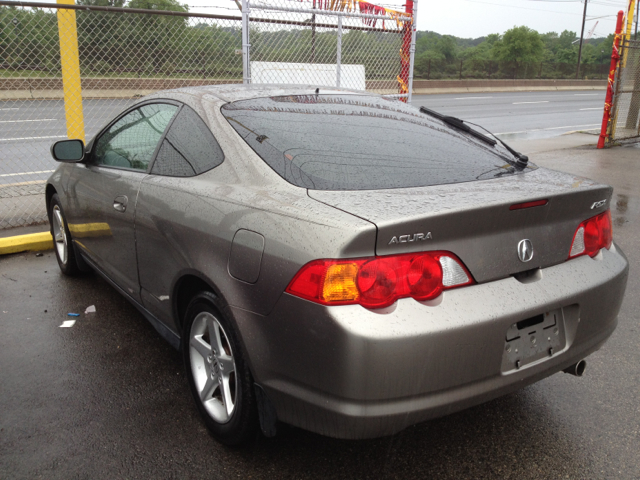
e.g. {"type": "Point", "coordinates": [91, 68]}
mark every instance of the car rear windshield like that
{"type": "Point", "coordinates": [358, 142]}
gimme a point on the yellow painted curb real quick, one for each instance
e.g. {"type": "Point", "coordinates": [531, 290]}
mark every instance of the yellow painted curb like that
{"type": "Point", "coordinates": [23, 243]}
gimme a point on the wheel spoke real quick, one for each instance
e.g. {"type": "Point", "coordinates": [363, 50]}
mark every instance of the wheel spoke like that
{"type": "Point", "coordinates": [214, 336]}
{"type": "Point", "coordinates": [209, 387]}
{"type": "Point", "coordinates": [59, 219]}
{"type": "Point", "coordinates": [226, 394]}
{"type": "Point", "coordinates": [201, 347]}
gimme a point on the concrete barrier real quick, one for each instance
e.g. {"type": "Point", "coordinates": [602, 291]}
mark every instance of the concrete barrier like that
{"type": "Point", "coordinates": [51, 88]}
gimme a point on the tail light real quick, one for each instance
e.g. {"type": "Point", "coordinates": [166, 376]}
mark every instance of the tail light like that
{"type": "Point", "coordinates": [378, 282]}
{"type": "Point", "coordinates": [592, 235]}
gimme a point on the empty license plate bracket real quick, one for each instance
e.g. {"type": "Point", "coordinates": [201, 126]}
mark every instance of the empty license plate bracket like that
{"type": "Point", "coordinates": [533, 339]}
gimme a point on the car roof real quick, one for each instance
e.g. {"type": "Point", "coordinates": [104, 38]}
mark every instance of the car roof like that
{"type": "Point", "coordinates": [235, 92]}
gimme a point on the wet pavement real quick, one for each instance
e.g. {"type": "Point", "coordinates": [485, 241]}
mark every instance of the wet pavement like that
{"type": "Point", "coordinates": [108, 398]}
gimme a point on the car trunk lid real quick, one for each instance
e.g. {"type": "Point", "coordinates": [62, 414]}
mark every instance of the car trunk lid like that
{"type": "Point", "coordinates": [474, 221]}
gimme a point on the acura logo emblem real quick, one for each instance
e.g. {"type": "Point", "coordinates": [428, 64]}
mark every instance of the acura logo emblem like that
{"type": "Point", "coordinates": [525, 250]}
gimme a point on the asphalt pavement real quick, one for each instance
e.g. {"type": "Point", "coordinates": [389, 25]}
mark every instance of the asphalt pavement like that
{"type": "Point", "coordinates": [523, 115]}
{"type": "Point", "coordinates": [108, 398]}
{"type": "Point", "coordinates": [29, 127]}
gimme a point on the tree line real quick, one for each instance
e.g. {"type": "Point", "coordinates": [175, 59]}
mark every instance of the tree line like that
{"type": "Point", "coordinates": [519, 49]}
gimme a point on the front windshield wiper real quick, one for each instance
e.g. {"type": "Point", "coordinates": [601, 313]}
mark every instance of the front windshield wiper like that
{"type": "Point", "coordinates": [458, 123]}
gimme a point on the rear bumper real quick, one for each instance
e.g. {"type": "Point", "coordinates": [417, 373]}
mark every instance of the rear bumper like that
{"type": "Point", "coordinates": [349, 372]}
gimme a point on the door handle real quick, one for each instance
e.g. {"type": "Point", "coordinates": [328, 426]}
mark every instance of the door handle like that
{"type": "Point", "coordinates": [120, 203]}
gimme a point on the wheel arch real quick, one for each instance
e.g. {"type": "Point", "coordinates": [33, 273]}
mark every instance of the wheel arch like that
{"type": "Point", "coordinates": [185, 288]}
{"type": "Point", "coordinates": [49, 192]}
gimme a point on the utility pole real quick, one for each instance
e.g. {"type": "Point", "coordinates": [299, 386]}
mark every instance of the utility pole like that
{"type": "Point", "coordinates": [584, 19]}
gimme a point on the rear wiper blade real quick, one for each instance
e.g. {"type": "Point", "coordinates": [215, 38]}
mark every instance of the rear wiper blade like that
{"type": "Point", "coordinates": [458, 123]}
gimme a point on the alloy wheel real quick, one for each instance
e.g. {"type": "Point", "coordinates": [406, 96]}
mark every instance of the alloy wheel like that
{"type": "Point", "coordinates": [213, 367]}
{"type": "Point", "coordinates": [59, 234]}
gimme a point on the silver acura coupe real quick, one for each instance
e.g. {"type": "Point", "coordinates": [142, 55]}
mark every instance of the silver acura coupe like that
{"type": "Point", "coordinates": [337, 260]}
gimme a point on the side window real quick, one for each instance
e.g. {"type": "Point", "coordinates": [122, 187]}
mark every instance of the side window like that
{"type": "Point", "coordinates": [188, 149]}
{"type": "Point", "coordinates": [131, 141]}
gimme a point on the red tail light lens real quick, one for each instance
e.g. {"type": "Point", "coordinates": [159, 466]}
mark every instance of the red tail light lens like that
{"type": "Point", "coordinates": [378, 282]}
{"type": "Point", "coordinates": [425, 278]}
{"type": "Point", "coordinates": [592, 235]}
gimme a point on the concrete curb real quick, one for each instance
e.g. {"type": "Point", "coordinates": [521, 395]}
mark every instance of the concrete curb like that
{"type": "Point", "coordinates": [25, 243]}
{"type": "Point", "coordinates": [95, 88]}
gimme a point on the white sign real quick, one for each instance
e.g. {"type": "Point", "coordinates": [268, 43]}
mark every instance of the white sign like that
{"type": "Point", "coordinates": [351, 76]}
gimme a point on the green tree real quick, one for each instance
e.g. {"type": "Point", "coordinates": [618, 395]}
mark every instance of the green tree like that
{"type": "Point", "coordinates": [519, 45]}
{"type": "Point", "coordinates": [170, 5]}
{"type": "Point", "coordinates": [102, 3]}
{"type": "Point", "coordinates": [447, 47]}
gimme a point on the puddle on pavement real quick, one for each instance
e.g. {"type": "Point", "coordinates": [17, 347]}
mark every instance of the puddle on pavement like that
{"type": "Point", "coordinates": [623, 208]}
{"type": "Point", "coordinates": [540, 134]}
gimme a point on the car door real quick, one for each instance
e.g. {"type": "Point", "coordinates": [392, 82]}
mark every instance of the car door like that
{"type": "Point", "coordinates": [166, 225]}
{"type": "Point", "coordinates": [106, 190]}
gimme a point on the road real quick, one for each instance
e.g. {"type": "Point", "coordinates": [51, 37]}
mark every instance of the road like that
{"type": "Point", "coordinates": [108, 397]}
{"type": "Point", "coordinates": [523, 115]}
{"type": "Point", "coordinates": [27, 128]}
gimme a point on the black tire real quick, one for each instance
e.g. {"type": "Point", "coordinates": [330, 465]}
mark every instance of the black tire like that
{"type": "Point", "coordinates": [227, 404]}
{"type": "Point", "coordinates": [62, 243]}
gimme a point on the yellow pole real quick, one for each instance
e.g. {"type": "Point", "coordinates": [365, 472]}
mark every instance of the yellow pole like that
{"type": "Point", "coordinates": [625, 38]}
{"type": "Point", "coordinates": [627, 30]}
{"type": "Point", "coordinates": [70, 62]}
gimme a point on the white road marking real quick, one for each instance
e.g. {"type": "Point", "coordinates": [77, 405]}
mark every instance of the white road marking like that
{"type": "Point", "coordinates": [6, 109]}
{"type": "Point", "coordinates": [25, 173]}
{"type": "Point", "coordinates": [595, 108]}
{"type": "Point", "coordinates": [522, 103]}
{"type": "Point", "coordinates": [551, 128]}
{"type": "Point", "coordinates": [31, 138]}
{"type": "Point", "coordinates": [471, 98]}
{"type": "Point", "coordinates": [586, 94]}
{"type": "Point", "coordinates": [36, 120]}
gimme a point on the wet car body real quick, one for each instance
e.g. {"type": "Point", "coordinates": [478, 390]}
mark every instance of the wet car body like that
{"type": "Point", "coordinates": [243, 231]}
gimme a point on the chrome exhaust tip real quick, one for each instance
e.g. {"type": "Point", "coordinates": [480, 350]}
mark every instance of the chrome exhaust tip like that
{"type": "Point", "coordinates": [576, 369]}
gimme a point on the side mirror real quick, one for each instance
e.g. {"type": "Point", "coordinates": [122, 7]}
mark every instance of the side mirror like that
{"type": "Point", "coordinates": [68, 151]}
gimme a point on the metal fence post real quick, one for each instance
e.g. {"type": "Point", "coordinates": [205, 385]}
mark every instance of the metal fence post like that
{"type": "Point", "coordinates": [339, 52]}
{"type": "Point", "coordinates": [70, 63]}
{"type": "Point", "coordinates": [246, 46]}
{"type": "Point", "coordinates": [412, 48]}
{"type": "Point", "coordinates": [608, 103]}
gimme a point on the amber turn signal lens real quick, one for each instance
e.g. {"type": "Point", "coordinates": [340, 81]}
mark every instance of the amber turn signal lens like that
{"type": "Point", "coordinates": [340, 283]}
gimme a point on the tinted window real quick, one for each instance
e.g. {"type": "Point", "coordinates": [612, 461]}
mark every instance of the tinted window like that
{"type": "Point", "coordinates": [189, 147]}
{"type": "Point", "coordinates": [349, 142]}
{"type": "Point", "coordinates": [131, 141]}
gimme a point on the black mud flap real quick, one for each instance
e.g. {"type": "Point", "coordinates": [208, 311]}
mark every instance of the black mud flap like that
{"type": "Point", "coordinates": [266, 412]}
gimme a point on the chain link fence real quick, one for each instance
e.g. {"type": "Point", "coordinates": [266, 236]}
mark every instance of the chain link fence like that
{"type": "Point", "coordinates": [324, 46]}
{"type": "Point", "coordinates": [125, 53]}
{"type": "Point", "coordinates": [460, 69]}
{"type": "Point", "coordinates": [626, 99]}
